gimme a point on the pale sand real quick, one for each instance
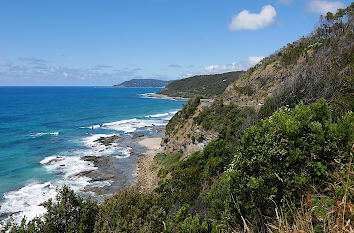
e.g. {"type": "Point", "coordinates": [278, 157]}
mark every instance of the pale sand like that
{"type": "Point", "coordinates": [147, 179]}
{"type": "Point", "coordinates": [152, 144]}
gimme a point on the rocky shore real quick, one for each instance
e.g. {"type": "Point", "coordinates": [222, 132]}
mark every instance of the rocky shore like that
{"type": "Point", "coordinates": [137, 170]}
{"type": "Point", "coordinates": [147, 179]}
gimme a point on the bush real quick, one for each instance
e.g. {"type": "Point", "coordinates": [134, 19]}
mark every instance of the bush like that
{"type": "Point", "coordinates": [69, 213]}
{"type": "Point", "coordinates": [131, 211]}
{"type": "Point", "coordinates": [280, 158]}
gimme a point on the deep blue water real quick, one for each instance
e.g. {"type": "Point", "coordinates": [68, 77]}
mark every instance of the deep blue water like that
{"type": "Point", "coordinates": [37, 123]}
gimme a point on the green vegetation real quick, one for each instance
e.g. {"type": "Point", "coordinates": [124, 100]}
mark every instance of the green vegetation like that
{"type": "Point", "coordinates": [70, 213]}
{"type": "Point", "coordinates": [283, 169]}
{"type": "Point", "coordinates": [279, 160]}
{"type": "Point", "coordinates": [329, 70]}
{"type": "Point", "coordinates": [167, 161]}
{"type": "Point", "coordinates": [180, 117]}
{"type": "Point", "coordinates": [246, 90]}
{"type": "Point", "coordinates": [203, 85]}
{"type": "Point", "coordinates": [276, 164]}
{"type": "Point", "coordinates": [230, 118]}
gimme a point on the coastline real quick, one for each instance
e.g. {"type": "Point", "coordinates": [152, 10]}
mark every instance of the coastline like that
{"type": "Point", "coordinates": [147, 179]}
{"type": "Point", "coordinates": [165, 97]}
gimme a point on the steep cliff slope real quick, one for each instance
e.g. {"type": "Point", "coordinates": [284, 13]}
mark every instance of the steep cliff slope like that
{"type": "Point", "coordinates": [318, 65]}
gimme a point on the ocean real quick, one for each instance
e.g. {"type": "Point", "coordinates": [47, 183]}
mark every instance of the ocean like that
{"type": "Point", "coordinates": [83, 137]}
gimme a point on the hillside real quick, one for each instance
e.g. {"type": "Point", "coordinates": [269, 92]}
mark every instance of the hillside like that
{"type": "Point", "coordinates": [143, 83]}
{"type": "Point", "coordinates": [203, 85]}
{"type": "Point", "coordinates": [272, 153]}
{"type": "Point", "coordinates": [316, 66]}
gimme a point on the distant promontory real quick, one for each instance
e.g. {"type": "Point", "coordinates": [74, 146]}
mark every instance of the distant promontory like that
{"type": "Point", "coordinates": [143, 83]}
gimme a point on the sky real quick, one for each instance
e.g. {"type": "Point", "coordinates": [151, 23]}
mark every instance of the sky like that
{"type": "Point", "coordinates": [105, 42]}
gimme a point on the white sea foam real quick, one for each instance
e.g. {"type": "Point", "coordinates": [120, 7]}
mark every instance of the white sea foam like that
{"type": "Point", "coordinates": [44, 134]}
{"type": "Point", "coordinates": [28, 201]}
{"type": "Point", "coordinates": [69, 167]}
{"type": "Point", "coordinates": [159, 115]}
{"type": "Point", "coordinates": [129, 126]}
{"type": "Point", "coordinates": [91, 127]}
{"type": "Point", "coordinates": [96, 148]}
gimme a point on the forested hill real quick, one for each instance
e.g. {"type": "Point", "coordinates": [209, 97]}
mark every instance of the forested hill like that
{"type": "Point", "coordinates": [204, 85]}
{"type": "Point", "coordinates": [143, 83]}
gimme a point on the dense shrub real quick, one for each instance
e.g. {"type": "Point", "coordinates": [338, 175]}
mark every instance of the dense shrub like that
{"type": "Point", "coordinates": [68, 213]}
{"type": "Point", "coordinates": [222, 118]}
{"type": "Point", "coordinates": [280, 158]}
{"type": "Point", "coordinates": [184, 222]}
{"type": "Point", "coordinates": [131, 211]}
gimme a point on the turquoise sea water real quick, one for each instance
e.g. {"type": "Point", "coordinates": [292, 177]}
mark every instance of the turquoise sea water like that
{"type": "Point", "coordinates": [44, 132]}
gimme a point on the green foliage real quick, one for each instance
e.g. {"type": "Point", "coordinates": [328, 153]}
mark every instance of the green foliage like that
{"type": "Point", "coordinates": [69, 213]}
{"type": "Point", "coordinates": [131, 211]}
{"type": "Point", "coordinates": [184, 222]}
{"type": "Point", "coordinates": [230, 118]}
{"type": "Point", "coordinates": [204, 85]}
{"type": "Point", "coordinates": [292, 53]}
{"type": "Point", "coordinates": [246, 90]}
{"type": "Point", "coordinates": [167, 161]}
{"type": "Point", "coordinates": [281, 158]}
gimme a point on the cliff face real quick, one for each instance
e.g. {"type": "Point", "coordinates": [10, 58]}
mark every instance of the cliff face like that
{"type": "Point", "coordinates": [317, 66]}
{"type": "Point", "coordinates": [183, 135]}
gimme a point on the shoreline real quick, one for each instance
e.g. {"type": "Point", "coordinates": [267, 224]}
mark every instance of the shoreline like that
{"type": "Point", "coordinates": [146, 173]}
{"type": "Point", "coordinates": [161, 96]}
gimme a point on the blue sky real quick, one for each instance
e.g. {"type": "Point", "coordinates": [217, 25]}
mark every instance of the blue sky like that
{"type": "Point", "coordinates": [104, 42]}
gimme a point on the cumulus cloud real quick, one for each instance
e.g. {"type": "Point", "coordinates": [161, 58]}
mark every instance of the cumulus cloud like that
{"type": "Point", "coordinates": [246, 20]}
{"type": "Point", "coordinates": [323, 7]}
{"type": "Point", "coordinates": [235, 66]}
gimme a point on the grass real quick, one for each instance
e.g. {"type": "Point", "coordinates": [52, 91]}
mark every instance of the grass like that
{"type": "Point", "coordinates": [332, 212]}
{"type": "Point", "coordinates": [167, 161]}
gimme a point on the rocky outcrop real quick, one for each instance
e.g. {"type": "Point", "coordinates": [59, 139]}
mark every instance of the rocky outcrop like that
{"type": "Point", "coordinates": [188, 137]}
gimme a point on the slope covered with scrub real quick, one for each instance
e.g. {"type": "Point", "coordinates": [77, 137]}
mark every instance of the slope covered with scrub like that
{"type": "Point", "coordinates": [284, 166]}
{"type": "Point", "coordinates": [202, 85]}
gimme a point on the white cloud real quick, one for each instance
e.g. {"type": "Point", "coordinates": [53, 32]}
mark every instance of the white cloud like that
{"type": "Point", "coordinates": [323, 7]}
{"type": "Point", "coordinates": [252, 21]}
{"type": "Point", "coordinates": [243, 65]}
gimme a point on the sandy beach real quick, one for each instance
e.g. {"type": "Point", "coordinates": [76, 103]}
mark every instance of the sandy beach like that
{"type": "Point", "coordinates": [152, 144]}
{"type": "Point", "coordinates": [147, 178]}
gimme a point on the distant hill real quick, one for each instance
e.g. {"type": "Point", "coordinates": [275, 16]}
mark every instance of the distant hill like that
{"type": "Point", "coordinates": [143, 83]}
{"type": "Point", "coordinates": [205, 85]}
